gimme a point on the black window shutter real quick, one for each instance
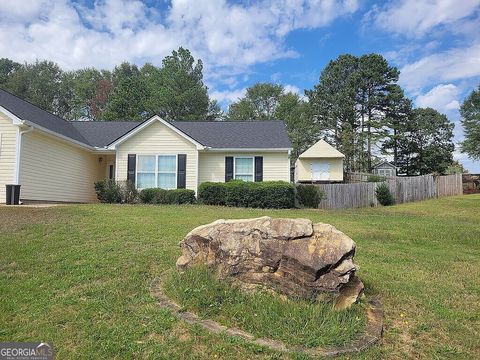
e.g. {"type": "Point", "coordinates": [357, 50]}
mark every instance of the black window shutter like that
{"type": "Point", "coordinates": [182, 171]}
{"type": "Point", "coordinates": [131, 165]}
{"type": "Point", "coordinates": [228, 168]}
{"type": "Point", "coordinates": [258, 168]}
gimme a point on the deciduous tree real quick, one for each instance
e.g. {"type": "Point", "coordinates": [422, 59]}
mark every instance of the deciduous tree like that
{"type": "Point", "coordinates": [127, 99]}
{"type": "Point", "coordinates": [259, 103]}
{"type": "Point", "coordinates": [470, 111]}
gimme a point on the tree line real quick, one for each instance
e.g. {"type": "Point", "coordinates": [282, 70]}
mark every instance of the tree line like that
{"type": "Point", "coordinates": [175, 89]}
{"type": "Point", "coordinates": [357, 106]}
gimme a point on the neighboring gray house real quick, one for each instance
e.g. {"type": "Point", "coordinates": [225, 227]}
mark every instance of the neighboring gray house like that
{"type": "Point", "coordinates": [385, 169]}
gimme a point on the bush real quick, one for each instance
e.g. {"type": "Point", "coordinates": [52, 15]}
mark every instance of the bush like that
{"type": "Point", "coordinates": [267, 194]}
{"type": "Point", "coordinates": [212, 193]}
{"type": "Point", "coordinates": [238, 193]}
{"type": "Point", "coordinates": [309, 196]}
{"type": "Point", "coordinates": [162, 196]}
{"type": "Point", "coordinates": [384, 196]}
{"type": "Point", "coordinates": [270, 194]}
{"type": "Point", "coordinates": [376, 178]}
{"type": "Point", "coordinates": [128, 192]}
{"type": "Point", "coordinates": [147, 195]}
{"type": "Point", "coordinates": [108, 191]}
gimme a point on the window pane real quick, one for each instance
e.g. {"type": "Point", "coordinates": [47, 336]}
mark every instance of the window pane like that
{"type": "Point", "coordinates": [244, 177]}
{"type": "Point", "coordinates": [146, 163]}
{"type": "Point", "coordinates": [166, 163]}
{"type": "Point", "coordinates": [145, 180]}
{"type": "Point", "coordinates": [243, 165]}
{"type": "Point", "coordinates": [167, 181]}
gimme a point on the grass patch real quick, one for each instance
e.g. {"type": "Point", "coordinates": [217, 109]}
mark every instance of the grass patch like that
{"type": "Point", "coordinates": [264, 314]}
{"type": "Point", "coordinates": [79, 276]}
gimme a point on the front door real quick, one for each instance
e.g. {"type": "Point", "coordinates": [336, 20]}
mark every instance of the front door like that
{"type": "Point", "coordinates": [111, 171]}
{"type": "Point", "coordinates": [320, 171]}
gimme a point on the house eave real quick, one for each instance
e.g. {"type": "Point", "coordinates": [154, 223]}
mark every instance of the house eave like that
{"type": "Point", "coordinates": [55, 134]}
{"type": "Point", "coordinates": [209, 149]}
{"type": "Point", "coordinates": [322, 157]}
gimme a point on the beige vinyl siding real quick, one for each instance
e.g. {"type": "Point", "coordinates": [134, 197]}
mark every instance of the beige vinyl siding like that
{"type": "Point", "coordinates": [158, 139]}
{"type": "Point", "coordinates": [303, 168]}
{"type": "Point", "coordinates": [276, 165]}
{"type": "Point", "coordinates": [54, 170]}
{"type": "Point", "coordinates": [8, 141]}
{"type": "Point", "coordinates": [321, 149]}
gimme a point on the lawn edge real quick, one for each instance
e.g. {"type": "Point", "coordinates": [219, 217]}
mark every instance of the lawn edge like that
{"type": "Point", "coordinates": [372, 334]}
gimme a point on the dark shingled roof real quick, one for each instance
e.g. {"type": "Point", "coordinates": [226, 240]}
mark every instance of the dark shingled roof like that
{"type": "Point", "coordinates": [237, 134]}
{"type": "Point", "coordinates": [27, 111]}
{"type": "Point", "coordinates": [102, 133]}
{"type": "Point", "coordinates": [214, 134]}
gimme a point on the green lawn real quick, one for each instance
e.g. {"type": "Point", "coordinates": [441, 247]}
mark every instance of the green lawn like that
{"type": "Point", "coordinates": [263, 314]}
{"type": "Point", "coordinates": [79, 276]}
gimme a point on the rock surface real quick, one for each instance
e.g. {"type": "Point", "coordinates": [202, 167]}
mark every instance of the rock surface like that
{"type": "Point", "coordinates": [291, 256]}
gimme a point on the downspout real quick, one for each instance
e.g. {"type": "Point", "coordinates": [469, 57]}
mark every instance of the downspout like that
{"type": "Point", "coordinates": [19, 152]}
{"type": "Point", "coordinates": [290, 167]}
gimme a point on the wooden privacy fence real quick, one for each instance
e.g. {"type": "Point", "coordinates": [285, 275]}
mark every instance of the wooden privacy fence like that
{"type": "Point", "coordinates": [403, 189]}
{"type": "Point", "coordinates": [449, 185]}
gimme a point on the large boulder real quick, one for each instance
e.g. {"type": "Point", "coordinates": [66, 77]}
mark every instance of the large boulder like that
{"type": "Point", "coordinates": [291, 256]}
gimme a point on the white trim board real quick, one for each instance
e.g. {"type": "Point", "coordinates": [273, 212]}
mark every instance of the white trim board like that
{"type": "Point", "coordinates": [247, 150]}
{"type": "Point", "coordinates": [16, 120]}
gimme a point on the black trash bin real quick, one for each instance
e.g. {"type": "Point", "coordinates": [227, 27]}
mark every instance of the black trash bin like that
{"type": "Point", "coordinates": [13, 194]}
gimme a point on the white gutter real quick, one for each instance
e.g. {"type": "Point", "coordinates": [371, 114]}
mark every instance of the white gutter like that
{"type": "Point", "coordinates": [66, 138]}
{"type": "Point", "coordinates": [18, 153]}
{"type": "Point", "coordinates": [248, 149]}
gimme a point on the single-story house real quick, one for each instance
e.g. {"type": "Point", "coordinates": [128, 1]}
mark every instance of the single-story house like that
{"type": "Point", "coordinates": [319, 163]}
{"type": "Point", "coordinates": [58, 160]}
{"type": "Point", "coordinates": [385, 168]}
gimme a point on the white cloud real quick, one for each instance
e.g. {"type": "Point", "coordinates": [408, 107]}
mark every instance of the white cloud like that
{"type": "Point", "coordinates": [228, 37]}
{"type": "Point", "coordinates": [443, 98]}
{"type": "Point", "coordinates": [454, 64]}
{"type": "Point", "coordinates": [293, 89]}
{"type": "Point", "coordinates": [416, 18]}
{"type": "Point", "coordinates": [228, 96]}
{"type": "Point", "coordinates": [25, 10]}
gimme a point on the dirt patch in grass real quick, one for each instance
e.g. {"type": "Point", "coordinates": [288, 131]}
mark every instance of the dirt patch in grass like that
{"type": "Point", "coordinates": [15, 218]}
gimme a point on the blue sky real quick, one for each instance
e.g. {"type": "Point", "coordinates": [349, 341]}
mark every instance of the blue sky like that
{"type": "Point", "coordinates": [435, 43]}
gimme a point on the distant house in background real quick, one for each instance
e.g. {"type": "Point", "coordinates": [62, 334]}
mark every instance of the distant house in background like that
{"type": "Point", "coordinates": [385, 169]}
{"type": "Point", "coordinates": [319, 163]}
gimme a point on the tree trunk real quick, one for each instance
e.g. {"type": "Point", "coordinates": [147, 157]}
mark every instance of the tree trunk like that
{"type": "Point", "coordinates": [369, 141]}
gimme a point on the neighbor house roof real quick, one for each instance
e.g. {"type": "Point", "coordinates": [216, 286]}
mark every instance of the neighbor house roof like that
{"type": "Point", "coordinates": [385, 163]}
{"type": "Point", "coordinates": [211, 134]}
{"type": "Point", "coordinates": [321, 149]}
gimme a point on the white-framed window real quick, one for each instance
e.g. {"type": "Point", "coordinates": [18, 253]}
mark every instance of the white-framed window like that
{"type": "Point", "coordinates": [244, 168]}
{"type": "Point", "coordinates": [156, 171]}
{"type": "Point", "coordinates": [385, 172]}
